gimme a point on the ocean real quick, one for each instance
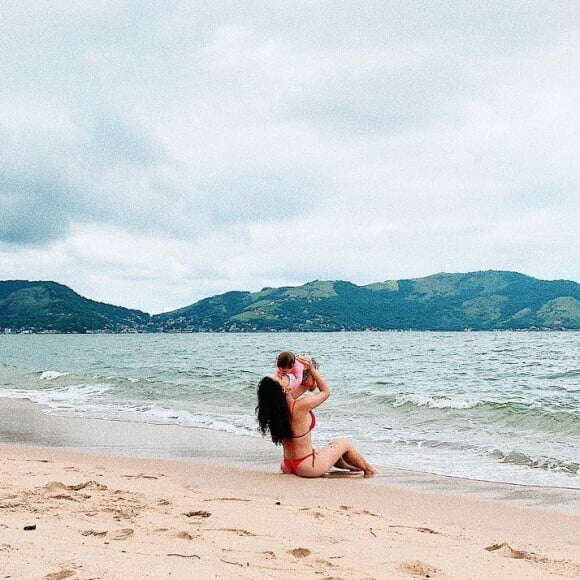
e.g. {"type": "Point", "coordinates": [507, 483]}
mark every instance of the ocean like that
{"type": "Point", "coordinates": [493, 406]}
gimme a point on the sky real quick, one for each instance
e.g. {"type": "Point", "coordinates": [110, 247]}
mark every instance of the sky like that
{"type": "Point", "coordinates": [156, 153]}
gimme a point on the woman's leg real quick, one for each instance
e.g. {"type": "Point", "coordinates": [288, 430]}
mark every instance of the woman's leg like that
{"type": "Point", "coordinates": [327, 456]}
{"type": "Point", "coordinates": [342, 464]}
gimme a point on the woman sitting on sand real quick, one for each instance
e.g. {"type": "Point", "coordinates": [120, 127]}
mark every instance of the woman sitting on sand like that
{"type": "Point", "coordinates": [290, 420]}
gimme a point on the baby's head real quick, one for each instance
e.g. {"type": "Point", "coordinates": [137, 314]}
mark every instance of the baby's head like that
{"type": "Point", "coordinates": [285, 362]}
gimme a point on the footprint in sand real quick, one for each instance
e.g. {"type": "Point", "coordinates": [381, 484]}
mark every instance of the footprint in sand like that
{"type": "Point", "coordinates": [60, 575]}
{"type": "Point", "coordinates": [10, 505]}
{"type": "Point", "coordinates": [193, 488]}
{"type": "Point", "coordinates": [366, 513]}
{"type": "Point", "coordinates": [228, 499]}
{"type": "Point", "coordinates": [236, 531]}
{"type": "Point", "coordinates": [504, 549]}
{"type": "Point", "coordinates": [423, 530]}
{"type": "Point", "coordinates": [122, 534]}
{"type": "Point", "coordinates": [56, 486]}
{"type": "Point", "coordinates": [92, 533]}
{"type": "Point", "coordinates": [418, 568]}
{"type": "Point", "coordinates": [300, 552]}
{"type": "Point", "coordinates": [314, 513]}
{"type": "Point", "coordinates": [197, 514]}
{"type": "Point", "coordinates": [326, 563]}
{"type": "Point", "coordinates": [63, 496]}
{"type": "Point", "coordinates": [142, 476]}
{"type": "Point", "coordinates": [428, 531]}
{"type": "Point", "coordinates": [564, 567]}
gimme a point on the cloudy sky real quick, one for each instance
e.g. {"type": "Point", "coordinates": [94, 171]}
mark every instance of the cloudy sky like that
{"type": "Point", "coordinates": [155, 153]}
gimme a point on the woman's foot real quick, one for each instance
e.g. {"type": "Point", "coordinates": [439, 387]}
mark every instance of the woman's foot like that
{"type": "Point", "coordinates": [342, 464]}
{"type": "Point", "coordinates": [370, 471]}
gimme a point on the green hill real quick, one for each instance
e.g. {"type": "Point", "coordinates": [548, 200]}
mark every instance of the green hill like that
{"type": "Point", "coordinates": [48, 306]}
{"type": "Point", "coordinates": [478, 300]}
{"type": "Point", "coordinates": [489, 300]}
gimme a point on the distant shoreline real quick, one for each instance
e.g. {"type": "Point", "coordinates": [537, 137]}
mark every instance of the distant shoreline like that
{"type": "Point", "coordinates": [133, 332]}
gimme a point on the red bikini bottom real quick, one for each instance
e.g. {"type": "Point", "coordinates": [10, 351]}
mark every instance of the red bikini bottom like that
{"type": "Point", "coordinates": [292, 464]}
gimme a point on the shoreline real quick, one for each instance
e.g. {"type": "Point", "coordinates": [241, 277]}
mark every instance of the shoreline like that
{"type": "Point", "coordinates": [90, 503]}
{"type": "Point", "coordinates": [24, 422]}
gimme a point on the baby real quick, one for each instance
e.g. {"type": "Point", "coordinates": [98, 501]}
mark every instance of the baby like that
{"type": "Point", "coordinates": [287, 363]}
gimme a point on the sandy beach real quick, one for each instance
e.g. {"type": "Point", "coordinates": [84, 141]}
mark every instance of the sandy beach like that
{"type": "Point", "coordinates": [70, 513]}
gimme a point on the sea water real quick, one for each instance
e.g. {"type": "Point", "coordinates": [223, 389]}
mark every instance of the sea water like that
{"type": "Point", "coordinates": [496, 406]}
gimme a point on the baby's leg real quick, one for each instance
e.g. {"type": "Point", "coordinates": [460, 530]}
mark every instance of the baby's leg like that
{"type": "Point", "coordinates": [309, 382]}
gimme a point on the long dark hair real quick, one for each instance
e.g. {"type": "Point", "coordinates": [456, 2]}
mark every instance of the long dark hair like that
{"type": "Point", "coordinates": [272, 411]}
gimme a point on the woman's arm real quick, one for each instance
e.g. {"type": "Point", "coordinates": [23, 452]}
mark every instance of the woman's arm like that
{"type": "Point", "coordinates": [308, 403]}
{"type": "Point", "coordinates": [298, 390]}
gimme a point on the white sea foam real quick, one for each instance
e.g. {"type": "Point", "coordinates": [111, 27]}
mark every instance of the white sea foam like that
{"type": "Point", "coordinates": [241, 424]}
{"type": "Point", "coordinates": [75, 398]}
{"type": "Point", "coordinates": [51, 375]}
{"type": "Point", "coordinates": [436, 402]}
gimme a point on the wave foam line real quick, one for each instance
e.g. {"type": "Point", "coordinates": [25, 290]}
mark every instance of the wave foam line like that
{"type": "Point", "coordinates": [51, 375]}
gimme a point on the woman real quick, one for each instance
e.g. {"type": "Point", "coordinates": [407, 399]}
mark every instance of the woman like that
{"type": "Point", "coordinates": [290, 421]}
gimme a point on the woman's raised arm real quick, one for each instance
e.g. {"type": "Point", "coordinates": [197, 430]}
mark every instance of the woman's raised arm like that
{"type": "Point", "coordinates": [308, 403]}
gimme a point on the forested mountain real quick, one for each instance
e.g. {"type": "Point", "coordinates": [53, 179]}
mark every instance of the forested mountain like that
{"type": "Point", "coordinates": [48, 306]}
{"type": "Point", "coordinates": [492, 300]}
{"type": "Point", "coordinates": [478, 300]}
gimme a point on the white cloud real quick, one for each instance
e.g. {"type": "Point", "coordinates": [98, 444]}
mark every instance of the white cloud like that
{"type": "Point", "coordinates": [154, 154]}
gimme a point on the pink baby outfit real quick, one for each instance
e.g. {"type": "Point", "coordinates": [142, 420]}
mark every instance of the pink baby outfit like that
{"type": "Point", "coordinates": [297, 372]}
